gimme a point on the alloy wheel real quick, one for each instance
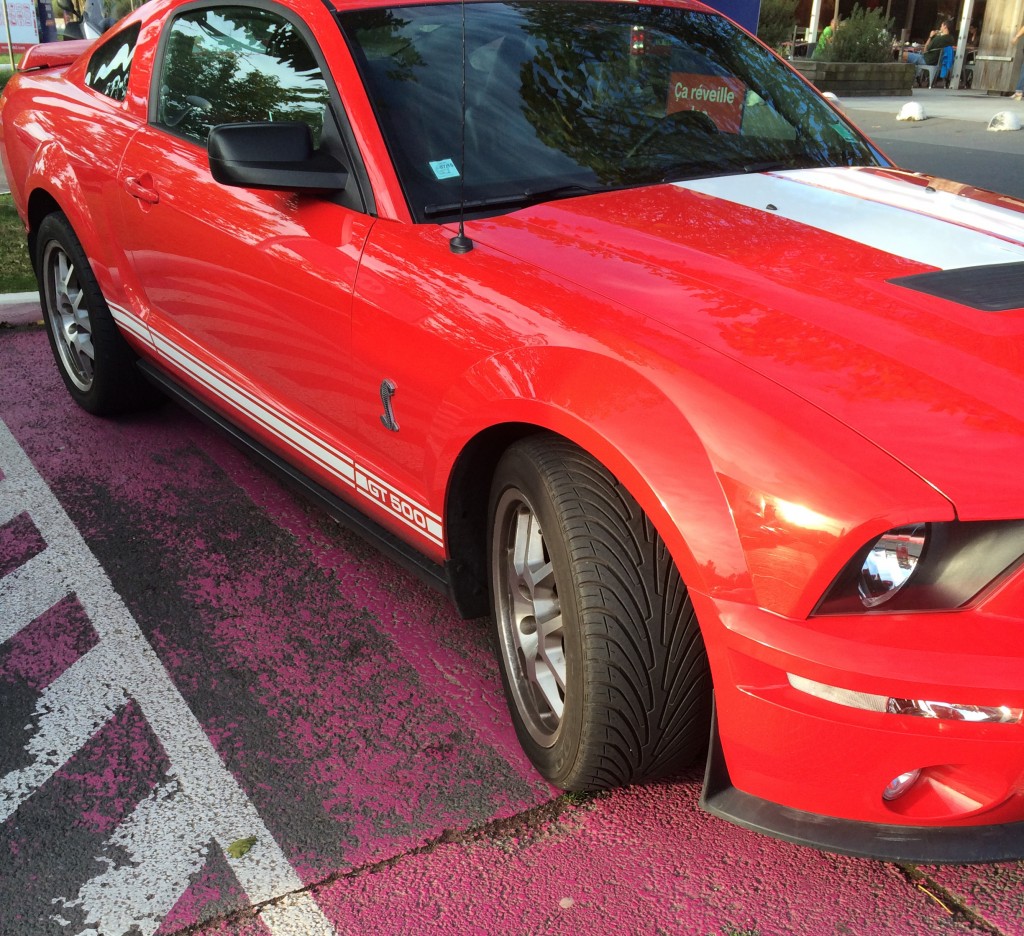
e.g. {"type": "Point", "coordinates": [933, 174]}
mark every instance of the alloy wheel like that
{"type": "Point", "coordinates": [69, 317]}
{"type": "Point", "coordinates": [530, 618]}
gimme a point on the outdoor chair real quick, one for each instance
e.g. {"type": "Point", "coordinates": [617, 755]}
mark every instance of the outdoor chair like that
{"type": "Point", "coordinates": [941, 71]}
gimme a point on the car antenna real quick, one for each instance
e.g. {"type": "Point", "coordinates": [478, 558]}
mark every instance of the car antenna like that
{"type": "Point", "coordinates": [461, 244]}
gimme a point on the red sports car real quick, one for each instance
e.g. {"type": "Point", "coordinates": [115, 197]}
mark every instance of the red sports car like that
{"type": "Point", "coordinates": [598, 316]}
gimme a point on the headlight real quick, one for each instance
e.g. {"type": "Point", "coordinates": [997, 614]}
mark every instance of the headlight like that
{"type": "Point", "coordinates": [926, 567]}
{"type": "Point", "coordinates": [890, 563]}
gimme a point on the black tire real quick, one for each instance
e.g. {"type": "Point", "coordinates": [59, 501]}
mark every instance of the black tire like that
{"type": "Point", "coordinates": [95, 362]}
{"type": "Point", "coordinates": [622, 692]}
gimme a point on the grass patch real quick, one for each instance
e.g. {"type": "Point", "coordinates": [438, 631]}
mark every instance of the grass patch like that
{"type": "Point", "coordinates": [15, 269]}
{"type": "Point", "coordinates": [5, 73]}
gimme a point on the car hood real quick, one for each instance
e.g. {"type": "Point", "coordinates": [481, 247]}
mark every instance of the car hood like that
{"type": "Point", "coordinates": [891, 300]}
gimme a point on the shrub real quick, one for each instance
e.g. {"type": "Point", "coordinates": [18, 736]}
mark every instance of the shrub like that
{"type": "Point", "coordinates": [863, 37]}
{"type": "Point", "coordinates": [776, 21]}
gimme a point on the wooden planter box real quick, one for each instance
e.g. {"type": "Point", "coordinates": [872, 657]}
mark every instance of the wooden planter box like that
{"type": "Point", "coordinates": [858, 79]}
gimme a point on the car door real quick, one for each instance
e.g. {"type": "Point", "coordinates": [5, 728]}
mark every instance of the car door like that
{"type": "Point", "coordinates": [246, 293]}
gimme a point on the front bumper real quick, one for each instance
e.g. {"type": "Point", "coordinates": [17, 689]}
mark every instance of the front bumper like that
{"type": "Point", "coordinates": [918, 844]}
{"type": "Point", "coordinates": [812, 771]}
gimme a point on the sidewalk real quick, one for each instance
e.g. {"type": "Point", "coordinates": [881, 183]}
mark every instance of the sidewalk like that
{"type": "Point", "coordinates": [954, 118]}
{"type": "Point", "coordinates": [974, 106]}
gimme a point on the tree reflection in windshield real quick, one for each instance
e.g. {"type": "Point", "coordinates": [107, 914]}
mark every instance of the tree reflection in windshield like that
{"type": "Point", "coordinates": [561, 97]}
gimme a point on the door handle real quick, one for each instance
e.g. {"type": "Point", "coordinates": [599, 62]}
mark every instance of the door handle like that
{"type": "Point", "coordinates": [140, 191]}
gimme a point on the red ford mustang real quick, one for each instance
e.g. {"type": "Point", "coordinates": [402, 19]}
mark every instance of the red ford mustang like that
{"type": "Point", "coordinates": [599, 317]}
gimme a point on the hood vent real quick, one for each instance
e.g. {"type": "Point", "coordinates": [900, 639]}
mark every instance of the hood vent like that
{"type": "Point", "coordinates": [996, 288]}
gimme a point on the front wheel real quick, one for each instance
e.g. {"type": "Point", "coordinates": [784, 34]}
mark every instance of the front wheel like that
{"type": "Point", "coordinates": [602, 658]}
{"type": "Point", "coordinates": [95, 362]}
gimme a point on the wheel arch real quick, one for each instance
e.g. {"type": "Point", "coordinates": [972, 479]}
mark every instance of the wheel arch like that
{"type": "Point", "coordinates": [627, 439]}
{"type": "Point", "coordinates": [466, 512]}
{"type": "Point", "coordinates": [757, 494]}
{"type": "Point", "coordinates": [41, 203]}
{"type": "Point", "coordinates": [53, 185]}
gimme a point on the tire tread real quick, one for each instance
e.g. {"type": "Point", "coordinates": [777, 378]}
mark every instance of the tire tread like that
{"type": "Point", "coordinates": [643, 649]}
{"type": "Point", "coordinates": [117, 386]}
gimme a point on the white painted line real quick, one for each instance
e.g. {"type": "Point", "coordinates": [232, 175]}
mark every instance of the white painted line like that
{"type": "Point", "coordinates": [10, 501]}
{"type": "Point", "coordinates": [294, 915]}
{"type": "Point", "coordinates": [205, 802]}
{"type": "Point", "coordinates": [68, 714]}
{"type": "Point", "coordinates": [29, 591]}
{"type": "Point", "coordinates": [167, 839]}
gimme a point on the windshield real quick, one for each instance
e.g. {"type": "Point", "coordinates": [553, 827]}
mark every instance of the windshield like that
{"type": "Point", "coordinates": [565, 98]}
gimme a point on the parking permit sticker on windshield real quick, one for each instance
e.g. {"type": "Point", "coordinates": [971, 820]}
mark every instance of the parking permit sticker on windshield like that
{"type": "Point", "coordinates": [444, 169]}
{"type": "Point", "coordinates": [845, 132]}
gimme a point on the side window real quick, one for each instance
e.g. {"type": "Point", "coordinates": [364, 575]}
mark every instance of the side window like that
{"type": "Point", "coordinates": [234, 65]}
{"type": "Point", "coordinates": [110, 64]}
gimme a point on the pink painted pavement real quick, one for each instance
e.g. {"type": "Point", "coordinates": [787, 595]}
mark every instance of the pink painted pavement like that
{"type": "Point", "coordinates": [366, 724]}
{"type": "Point", "coordinates": [633, 861]}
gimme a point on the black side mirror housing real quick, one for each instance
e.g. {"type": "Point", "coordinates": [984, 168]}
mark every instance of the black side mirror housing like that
{"type": "Point", "coordinates": [272, 155]}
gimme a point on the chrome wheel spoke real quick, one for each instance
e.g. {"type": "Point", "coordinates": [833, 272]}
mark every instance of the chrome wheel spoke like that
{"type": "Point", "coordinates": [69, 317]}
{"type": "Point", "coordinates": [81, 347]}
{"type": "Point", "coordinates": [550, 672]}
{"type": "Point", "coordinates": [533, 623]}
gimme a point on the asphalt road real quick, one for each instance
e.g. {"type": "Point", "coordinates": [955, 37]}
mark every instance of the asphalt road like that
{"type": "Point", "coordinates": [1000, 172]}
{"type": "Point", "coordinates": [960, 150]}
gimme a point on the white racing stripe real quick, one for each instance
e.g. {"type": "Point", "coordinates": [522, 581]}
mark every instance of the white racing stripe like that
{"type": "Point", "coordinates": [936, 228]}
{"type": "Point", "coordinates": [337, 463]}
{"type": "Point", "coordinates": [341, 466]}
{"type": "Point", "coordinates": [150, 858]}
{"type": "Point", "coordinates": [943, 200]}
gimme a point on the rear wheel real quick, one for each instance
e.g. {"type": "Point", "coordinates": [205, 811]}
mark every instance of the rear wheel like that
{"type": "Point", "coordinates": [95, 362]}
{"type": "Point", "coordinates": [601, 654]}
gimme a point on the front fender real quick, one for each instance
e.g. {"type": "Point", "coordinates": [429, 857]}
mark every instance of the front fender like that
{"type": "Point", "coordinates": [757, 494]}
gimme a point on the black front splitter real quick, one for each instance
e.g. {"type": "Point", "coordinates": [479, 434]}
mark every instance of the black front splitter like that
{"type": "Point", "coordinates": [973, 844]}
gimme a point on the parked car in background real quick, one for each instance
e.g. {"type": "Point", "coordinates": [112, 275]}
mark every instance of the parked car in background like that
{"type": "Point", "coordinates": [600, 318]}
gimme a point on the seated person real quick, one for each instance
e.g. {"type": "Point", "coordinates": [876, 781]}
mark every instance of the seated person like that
{"type": "Point", "coordinates": [937, 41]}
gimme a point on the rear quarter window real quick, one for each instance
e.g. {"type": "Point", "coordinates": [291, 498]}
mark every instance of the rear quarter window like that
{"type": "Point", "coordinates": [111, 63]}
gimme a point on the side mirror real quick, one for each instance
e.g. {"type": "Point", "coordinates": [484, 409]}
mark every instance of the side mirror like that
{"type": "Point", "coordinates": [272, 156]}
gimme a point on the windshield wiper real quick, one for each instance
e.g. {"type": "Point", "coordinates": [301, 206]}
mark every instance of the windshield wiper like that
{"type": "Point", "coordinates": [796, 161]}
{"type": "Point", "coordinates": [511, 200]}
{"type": "Point", "coordinates": [706, 169]}
{"type": "Point", "coordinates": [693, 170]}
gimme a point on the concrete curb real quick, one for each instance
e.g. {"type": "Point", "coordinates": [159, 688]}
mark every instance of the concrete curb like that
{"type": "Point", "coordinates": [20, 309]}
